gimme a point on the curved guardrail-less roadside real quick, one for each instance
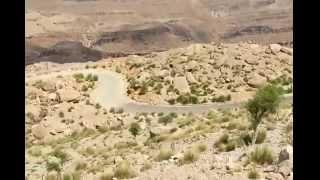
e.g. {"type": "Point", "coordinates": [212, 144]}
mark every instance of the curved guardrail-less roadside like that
{"type": "Point", "coordinates": [111, 88]}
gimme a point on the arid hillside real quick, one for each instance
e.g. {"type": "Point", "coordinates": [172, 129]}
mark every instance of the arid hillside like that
{"type": "Point", "coordinates": [207, 111]}
{"type": "Point", "coordinates": [122, 27]}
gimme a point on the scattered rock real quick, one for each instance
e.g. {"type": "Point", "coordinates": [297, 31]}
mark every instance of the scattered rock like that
{"type": "Point", "coordinates": [251, 60]}
{"type": "Point", "coordinates": [275, 48]}
{"type": "Point", "coordinates": [274, 176]}
{"type": "Point", "coordinates": [69, 95]}
{"type": "Point", "coordinates": [285, 168]}
{"type": "Point", "coordinates": [143, 76]}
{"type": "Point", "coordinates": [283, 155]}
{"type": "Point", "coordinates": [48, 86]}
{"type": "Point", "coordinates": [256, 81]}
{"type": "Point", "coordinates": [190, 78]}
{"type": "Point", "coordinates": [286, 50]}
{"type": "Point", "coordinates": [181, 84]}
{"type": "Point", "coordinates": [39, 131]}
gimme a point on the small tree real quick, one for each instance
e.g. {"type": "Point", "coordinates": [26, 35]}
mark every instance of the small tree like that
{"type": "Point", "coordinates": [264, 102]}
{"type": "Point", "coordinates": [134, 129]}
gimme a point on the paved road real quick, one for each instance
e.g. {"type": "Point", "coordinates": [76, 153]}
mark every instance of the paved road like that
{"type": "Point", "coordinates": [111, 88]}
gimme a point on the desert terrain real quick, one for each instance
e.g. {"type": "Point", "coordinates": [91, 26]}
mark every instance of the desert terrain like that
{"type": "Point", "coordinates": [112, 28]}
{"type": "Point", "coordinates": [114, 118]}
{"type": "Point", "coordinates": [159, 90]}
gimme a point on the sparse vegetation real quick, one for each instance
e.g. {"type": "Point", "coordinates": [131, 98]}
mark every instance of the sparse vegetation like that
{"type": "Point", "coordinates": [221, 98]}
{"type": "Point", "coordinates": [35, 151]}
{"type": "Point", "coordinates": [253, 174]}
{"type": "Point", "coordinates": [84, 88]}
{"type": "Point", "coordinates": [107, 176]}
{"type": "Point", "coordinates": [67, 177]}
{"type": "Point", "coordinates": [81, 166]}
{"type": "Point", "coordinates": [97, 106]}
{"type": "Point", "coordinates": [58, 153]}
{"type": "Point", "coordinates": [61, 114]}
{"type": "Point", "coordinates": [79, 77]}
{"type": "Point", "coordinates": [224, 143]}
{"type": "Point", "coordinates": [146, 166]}
{"type": "Point", "coordinates": [164, 154]}
{"type": "Point", "coordinates": [166, 119]}
{"type": "Point", "coordinates": [124, 171]}
{"type": "Point", "coordinates": [120, 111]}
{"type": "Point", "coordinates": [91, 78]}
{"type": "Point", "coordinates": [261, 136]}
{"type": "Point", "coordinates": [190, 156]}
{"type": "Point", "coordinates": [112, 110]}
{"type": "Point", "coordinates": [265, 101]}
{"type": "Point", "coordinates": [134, 129]}
{"type": "Point", "coordinates": [187, 99]}
{"type": "Point", "coordinates": [262, 155]}
{"type": "Point", "coordinates": [202, 147]}
{"type": "Point", "coordinates": [53, 166]}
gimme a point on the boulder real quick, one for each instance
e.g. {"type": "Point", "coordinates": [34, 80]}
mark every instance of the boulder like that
{"type": "Point", "coordinates": [48, 86]}
{"type": "Point", "coordinates": [181, 84]}
{"type": "Point", "coordinates": [274, 176]}
{"type": "Point", "coordinates": [160, 130]}
{"type": "Point", "coordinates": [190, 78]}
{"type": "Point", "coordinates": [53, 97]}
{"type": "Point", "coordinates": [162, 73]}
{"type": "Point", "coordinates": [33, 112]}
{"type": "Point", "coordinates": [251, 60]}
{"type": "Point", "coordinates": [256, 81]}
{"type": "Point", "coordinates": [192, 65]}
{"type": "Point", "coordinates": [39, 131]}
{"type": "Point", "coordinates": [286, 50]}
{"type": "Point", "coordinates": [283, 155]}
{"type": "Point", "coordinates": [69, 95]}
{"type": "Point", "coordinates": [143, 76]}
{"type": "Point", "coordinates": [285, 168]}
{"type": "Point", "coordinates": [275, 48]}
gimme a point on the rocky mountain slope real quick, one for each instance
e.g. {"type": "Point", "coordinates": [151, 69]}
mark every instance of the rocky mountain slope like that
{"type": "Point", "coordinates": [70, 135]}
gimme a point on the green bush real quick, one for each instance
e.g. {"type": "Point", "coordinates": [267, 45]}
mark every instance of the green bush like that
{"type": "Point", "coordinates": [58, 153]}
{"type": "Point", "coordinates": [97, 106]}
{"type": "Point", "coordinates": [78, 77]}
{"type": "Point", "coordinates": [264, 102]}
{"type": "Point", "coordinates": [187, 99]}
{"type": "Point", "coordinates": [134, 129]}
{"type": "Point", "coordinates": [246, 138]}
{"type": "Point", "coordinates": [171, 101]}
{"type": "Point", "coordinates": [165, 119]}
{"type": "Point", "coordinates": [84, 88]}
{"type": "Point", "coordinates": [53, 166]}
{"type": "Point", "coordinates": [221, 98]}
{"type": "Point", "coordinates": [230, 146]}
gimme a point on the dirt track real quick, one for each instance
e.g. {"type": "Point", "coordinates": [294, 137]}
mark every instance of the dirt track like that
{"type": "Point", "coordinates": [111, 92]}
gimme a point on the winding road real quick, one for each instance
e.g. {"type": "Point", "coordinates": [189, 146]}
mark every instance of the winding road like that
{"type": "Point", "coordinates": [111, 88]}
